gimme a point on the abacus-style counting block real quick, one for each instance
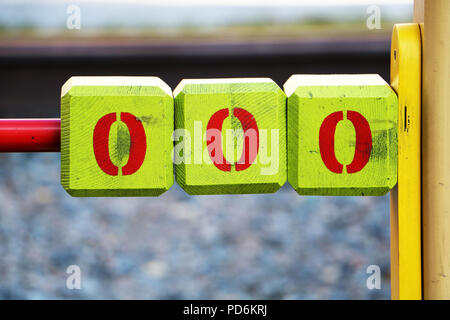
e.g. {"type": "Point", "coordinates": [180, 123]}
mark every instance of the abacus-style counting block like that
{"type": "Point", "coordinates": [116, 136]}
{"type": "Point", "coordinates": [342, 134]}
{"type": "Point", "coordinates": [231, 136]}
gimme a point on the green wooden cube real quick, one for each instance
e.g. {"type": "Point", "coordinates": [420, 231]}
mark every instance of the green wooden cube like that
{"type": "Point", "coordinates": [231, 136]}
{"type": "Point", "coordinates": [342, 135]}
{"type": "Point", "coordinates": [116, 136]}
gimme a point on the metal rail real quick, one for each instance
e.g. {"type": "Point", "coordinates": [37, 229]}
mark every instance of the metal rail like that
{"type": "Point", "coordinates": [30, 135]}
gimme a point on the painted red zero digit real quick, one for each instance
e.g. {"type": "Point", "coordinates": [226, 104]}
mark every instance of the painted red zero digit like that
{"type": "Point", "coordinates": [248, 123]}
{"type": "Point", "coordinates": [138, 144]}
{"type": "Point", "coordinates": [101, 144]}
{"type": "Point", "coordinates": [363, 146]}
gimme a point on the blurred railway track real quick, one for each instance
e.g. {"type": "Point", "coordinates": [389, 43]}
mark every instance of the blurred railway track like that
{"type": "Point", "coordinates": [31, 74]}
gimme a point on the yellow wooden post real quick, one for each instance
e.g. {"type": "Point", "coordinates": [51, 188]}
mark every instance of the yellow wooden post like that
{"type": "Point", "coordinates": [406, 273]}
{"type": "Point", "coordinates": [436, 149]}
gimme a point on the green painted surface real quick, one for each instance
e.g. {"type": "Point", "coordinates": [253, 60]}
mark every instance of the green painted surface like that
{"type": "Point", "coordinates": [82, 107]}
{"type": "Point", "coordinates": [309, 105]}
{"type": "Point", "coordinates": [198, 100]}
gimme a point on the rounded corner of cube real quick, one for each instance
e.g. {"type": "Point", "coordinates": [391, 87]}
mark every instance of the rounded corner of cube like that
{"type": "Point", "coordinates": [302, 191]}
{"type": "Point", "coordinates": [390, 94]}
{"type": "Point", "coordinates": [279, 185]}
{"type": "Point", "coordinates": [295, 96]}
{"type": "Point", "coordinates": [294, 184]}
{"type": "Point", "coordinates": [168, 186]}
{"type": "Point", "coordinates": [75, 193]}
{"type": "Point", "coordinates": [280, 92]}
{"type": "Point", "coordinates": [165, 90]}
{"type": "Point", "coordinates": [390, 185]}
{"type": "Point", "coordinates": [179, 96]}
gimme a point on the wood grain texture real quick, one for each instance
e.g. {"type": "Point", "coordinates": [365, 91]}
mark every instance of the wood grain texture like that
{"type": "Point", "coordinates": [436, 150]}
{"type": "Point", "coordinates": [313, 102]}
{"type": "Point", "coordinates": [197, 101]}
{"type": "Point", "coordinates": [406, 242]}
{"type": "Point", "coordinates": [149, 103]}
{"type": "Point", "coordinates": [419, 11]}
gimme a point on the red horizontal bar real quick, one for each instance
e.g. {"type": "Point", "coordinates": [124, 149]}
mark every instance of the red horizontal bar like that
{"type": "Point", "coordinates": [30, 135]}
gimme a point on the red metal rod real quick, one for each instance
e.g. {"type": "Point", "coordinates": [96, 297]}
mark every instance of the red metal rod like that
{"type": "Point", "coordinates": [30, 135]}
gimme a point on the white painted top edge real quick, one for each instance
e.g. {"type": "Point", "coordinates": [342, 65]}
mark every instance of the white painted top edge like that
{"type": "Point", "coordinates": [115, 81]}
{"type": "Point", "coordinates": [315, 80]}
{"type": "Point", "coordinates": [184, 82]}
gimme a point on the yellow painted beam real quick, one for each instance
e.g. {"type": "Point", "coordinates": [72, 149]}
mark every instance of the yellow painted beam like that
{"type": "Point", "coordinates": [406, 261]}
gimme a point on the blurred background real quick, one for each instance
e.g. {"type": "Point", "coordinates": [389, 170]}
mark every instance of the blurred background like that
{"type": "Point", "coordinates": [275, 246]}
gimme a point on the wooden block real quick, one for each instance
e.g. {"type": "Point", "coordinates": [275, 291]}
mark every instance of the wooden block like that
{"type": "Point", "coordinates": [342, 135]}
{"type": "Point", "coordinates": [116, 136]}
{"type": "Point", "coordinates": [234, 136]}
